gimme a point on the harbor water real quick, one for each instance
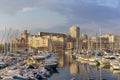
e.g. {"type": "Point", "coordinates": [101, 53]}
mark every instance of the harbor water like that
{"type": "Point", "coordinates": [72, 70]}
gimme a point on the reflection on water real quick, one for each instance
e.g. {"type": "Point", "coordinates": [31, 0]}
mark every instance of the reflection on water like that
{"type": "Point", "coordinates": [69, 69]}
{"type": "Point", "coordinates": [61, 59]}
{"type": "Point", "coordinates": [74, 69]}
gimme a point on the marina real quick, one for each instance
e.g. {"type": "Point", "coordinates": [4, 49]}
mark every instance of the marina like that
{"type": "Point", "coordinates": [59, 40]}
{"type": "Point", "coordinates": [56, 56]}
{"type": "Point", "coordinates": [73, 69]}
{"type": "Point", "coordinates": [31, 68]}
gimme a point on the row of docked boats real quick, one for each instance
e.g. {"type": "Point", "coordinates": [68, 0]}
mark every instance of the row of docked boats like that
{"type": "Point", "coordinates": [36, 67]}
{"type": "Point", "coordinates": [99, 59]}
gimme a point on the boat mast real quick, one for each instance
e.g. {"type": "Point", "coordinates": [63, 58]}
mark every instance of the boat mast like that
{"type": "Point", "coordinates": [7, 43]}
{"type": "Point", "coordinates": [3, 41]}
{"type": "Point", "coordinates": [11, 43]}
{"type": "Point", "coordinates": [96, 42]}
{"type": "Point", "coordinates": [100, 38]}
{"type": "Point", "coordinates": [16, 35]}
{"type": "Point", "coordinates": [51, 47]}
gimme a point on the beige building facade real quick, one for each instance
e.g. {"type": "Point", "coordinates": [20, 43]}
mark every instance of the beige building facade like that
{"type": "Point", "coordinates": [75, 36]}
{"type": "Point", "coordinates": [60, 41]}
{"type": "Point", "coordinates": [42, 41]}
{"type": "Point", "coordinates": [107, 41]}
{"type": "Point", "coordinates": [74, 31]}
{"type": "Point", "coordinates": [49, 41]}
{"type": "Point", "coordinates": [46, 41]}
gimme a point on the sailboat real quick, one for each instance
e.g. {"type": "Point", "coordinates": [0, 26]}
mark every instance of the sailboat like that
{"type": "Point", "coordinates": [2, 62]}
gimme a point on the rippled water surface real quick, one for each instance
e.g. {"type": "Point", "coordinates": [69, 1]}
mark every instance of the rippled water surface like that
{"type": "Point", "coordinates": [82, 72]}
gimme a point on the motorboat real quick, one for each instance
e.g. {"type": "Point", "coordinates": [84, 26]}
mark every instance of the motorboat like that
{"type": "Point", "coordinates": [115, 67]}
{"type": "Point", "coordinates": [2, 64]}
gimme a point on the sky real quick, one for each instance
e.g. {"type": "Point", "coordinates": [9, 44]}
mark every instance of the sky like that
{"type": "Point", "coordinates": [59, 16]}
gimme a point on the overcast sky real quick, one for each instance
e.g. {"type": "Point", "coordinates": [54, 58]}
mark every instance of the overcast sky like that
{"type": "Point", "coordinates": [59, 15]}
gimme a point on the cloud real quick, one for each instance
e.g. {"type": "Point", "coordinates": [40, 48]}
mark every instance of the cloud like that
{"type": "Point", "coordinates": [26, 9]}
{"type": "Point", "coordinates": [84, 9]}
{"type": "Point", "coordinates": [111, 26]}
{"type": "Point", "coordinates": [81, 11]}
{"type": "Point", "coordinates": [89, 14]}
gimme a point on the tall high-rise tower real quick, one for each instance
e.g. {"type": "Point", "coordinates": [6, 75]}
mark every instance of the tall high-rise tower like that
{"type": "Point", "coordinates": [75, 34]}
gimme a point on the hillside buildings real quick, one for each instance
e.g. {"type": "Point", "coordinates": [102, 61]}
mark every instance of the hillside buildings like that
{"type": "Point", "coordinates": [49, 41]}
{"type": "Point", "coordinates": [60, 41]}
{"type": "Point", "coordinates": [104, 42]}
{"type": "Point", "coordinates": [40, 41]}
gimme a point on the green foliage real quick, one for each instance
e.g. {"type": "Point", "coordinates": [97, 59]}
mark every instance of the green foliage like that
{"type": "Point", "coordinates": [97, 63]}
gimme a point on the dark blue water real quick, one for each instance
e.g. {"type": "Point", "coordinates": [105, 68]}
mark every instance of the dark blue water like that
{"type": "Point", "coordinates": [64, 74]}
{"type": "Point", "coordinates": [84, 72]}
